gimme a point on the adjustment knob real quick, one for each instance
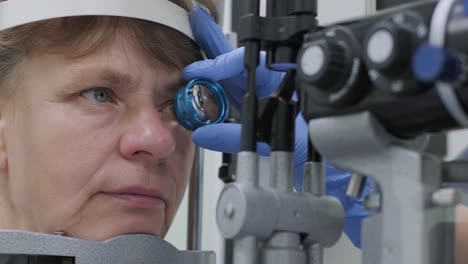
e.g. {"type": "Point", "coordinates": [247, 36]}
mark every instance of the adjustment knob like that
{"type": "Point", "coordinates": [324, 63]}
{"type": "Point", "coordinates": [329, 67]}
{"type": "Point", "coordinates": [388, 49]}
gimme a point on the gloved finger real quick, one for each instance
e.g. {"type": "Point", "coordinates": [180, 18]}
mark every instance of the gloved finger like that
{"type": "Point", "coordinates": [267, 80]}
{"type": "Point", "coordinates": [301, 148]}
{"type": "Point", "coordinates": [208, 34]}
{"type": "Point", "coordinates": [222, 67]}
{"type": "Point", "coordinates": [302, 140]}
{"type": "Point", "coordinates": [226, 69]}
{"type": "Point", "coordinates": [225, 138]}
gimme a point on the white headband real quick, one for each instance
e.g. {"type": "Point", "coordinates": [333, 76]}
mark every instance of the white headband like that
{"type": "Point", "coordinates": [19, 12]}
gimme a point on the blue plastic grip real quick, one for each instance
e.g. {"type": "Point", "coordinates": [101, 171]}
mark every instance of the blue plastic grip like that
{"type": "Point", "coordinates": [432, 64]}
{"type": "Point", "coordinates": [465, 5]}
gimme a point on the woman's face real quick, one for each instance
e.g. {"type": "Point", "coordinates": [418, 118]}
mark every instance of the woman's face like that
{"type": "Point", "coordinates": [91, 146]}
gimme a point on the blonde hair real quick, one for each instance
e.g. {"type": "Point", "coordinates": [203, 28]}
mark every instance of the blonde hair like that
{"type": "Point", "coordinates": [166, 46]}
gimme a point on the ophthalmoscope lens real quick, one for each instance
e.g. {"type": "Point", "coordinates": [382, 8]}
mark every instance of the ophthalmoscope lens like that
{"type": "Point", "coordinates": [201, 102]}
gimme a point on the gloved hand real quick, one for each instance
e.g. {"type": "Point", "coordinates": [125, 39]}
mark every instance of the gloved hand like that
{"type": "Point", "coordinates": [221, 53]}
{"type": "Point", "coordinates": [227, 66]}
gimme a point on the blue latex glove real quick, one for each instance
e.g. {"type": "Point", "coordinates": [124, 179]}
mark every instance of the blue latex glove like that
{"type": "Point", "coordinates": [226, 65]}
{"type": "Point", "coordinates": [217, 47]}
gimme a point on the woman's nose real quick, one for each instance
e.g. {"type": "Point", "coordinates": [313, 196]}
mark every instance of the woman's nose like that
{"type": "Point", "coordinates": [149, 136]}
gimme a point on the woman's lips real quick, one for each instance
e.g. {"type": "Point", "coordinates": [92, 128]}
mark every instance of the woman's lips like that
{"type": "Point", "coordinates": [140, 201]}
{"type": "Point", "coordinates": [139, 197]}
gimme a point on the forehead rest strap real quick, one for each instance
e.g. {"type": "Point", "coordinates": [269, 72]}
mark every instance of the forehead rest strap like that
{"type": "Point", "coordinates": [19, 12]}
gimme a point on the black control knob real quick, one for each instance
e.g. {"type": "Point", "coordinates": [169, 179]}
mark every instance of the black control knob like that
{"type": "Point", "coordinates": [325, 64]}
{"type": "Point", "coordinates": [388, 48]}
{"type": "Point", "coordinates": [330, 69]}
{"type": "Point", "coordinates": [387, 51]}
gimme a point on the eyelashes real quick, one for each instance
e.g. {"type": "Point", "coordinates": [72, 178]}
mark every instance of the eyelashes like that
{"type": "Point", "coordinates": [100, 95]}
{"type": "Point", "coordinates": [168, 107]}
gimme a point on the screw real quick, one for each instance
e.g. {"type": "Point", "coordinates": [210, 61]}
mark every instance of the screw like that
{"type": "Point", "coordinates": [229, 210]}
{"type": "Point", "coordinates": [355, 186]}
{"type": "Point", "coordinates": [297, 214]}
{"type": "Point", "coordinates": [372, 202]}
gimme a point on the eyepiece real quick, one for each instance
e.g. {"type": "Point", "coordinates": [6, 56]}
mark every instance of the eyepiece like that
{"type": "Point", "coordinates": [201, 102]}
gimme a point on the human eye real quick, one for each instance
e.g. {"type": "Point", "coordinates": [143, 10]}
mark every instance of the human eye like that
{"type": "Point", "coordinates": [168, 107]}
{"type": "Point", "coordinates": [99, 95]}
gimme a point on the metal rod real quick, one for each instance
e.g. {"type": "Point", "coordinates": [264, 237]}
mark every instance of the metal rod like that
{"type": "Point", "coordinates": [245, 249]}
{"type": "Point", "coordinates": [282, 167]}
{"type": "Point", "coordinates": [312, 153]}
{"type": "Point", "coordinates": [249, 113]}
{"type": "Point", "coordinates": [314, 183]}
{"type": "Point", "coordinates": [195, 203]}
{"type": "Point", "coordinates": [314, 178]}
{"type": "Point", "coordinates": [283, 247]}
{"type": "Point", "coordinates": [315, 254]}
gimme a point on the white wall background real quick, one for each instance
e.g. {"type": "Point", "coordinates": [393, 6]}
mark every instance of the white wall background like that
{"type": "Point", "coordinates": [330, 11]}
{"type": "Point", "coordinates": [211, 239]}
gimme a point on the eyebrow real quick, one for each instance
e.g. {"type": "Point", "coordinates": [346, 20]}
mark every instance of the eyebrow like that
{"type": "Point", "coordinates": [121, 80]}
{"type": "Point", "coordinates": [116, 78]}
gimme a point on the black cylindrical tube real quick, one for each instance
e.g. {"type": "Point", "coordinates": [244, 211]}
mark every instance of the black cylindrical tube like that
{"type": "Point", "coordinates": [411, 118]}
{"type": "Point", "coordinates": [254, 7]}
{"type": "Point", "coordinates": [282, 130]}
{"type": "Point", "coordinates": [312, 153]}
{"type": "Point", "coordinates": [249, 123]}
{"type": "Point", "coordinates": [249, 110]}
{"type": "Point", "coordinates": [277, 8]}
{"type": "Point", "coordinates": [286, 88]}
{"type": "Point", "coordinates": [296, 7]}
{"type": "Point", "coordinates": [291, 7]}
{"type": "Point", "coordinates": [252, 58]}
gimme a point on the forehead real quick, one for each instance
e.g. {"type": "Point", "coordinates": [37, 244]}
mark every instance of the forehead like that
{"type": "Point", "coordinates": [84, 43]}
{"type": "Point", "coordinates": [120, 50]}
{"type": "Point", "coordinates": [121, 65]}
{"type": "Point", "coordinates": [81, 36]}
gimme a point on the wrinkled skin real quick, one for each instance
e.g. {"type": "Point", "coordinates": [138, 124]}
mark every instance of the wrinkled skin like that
{"type": "Point", "coordinates": [74, 131]}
